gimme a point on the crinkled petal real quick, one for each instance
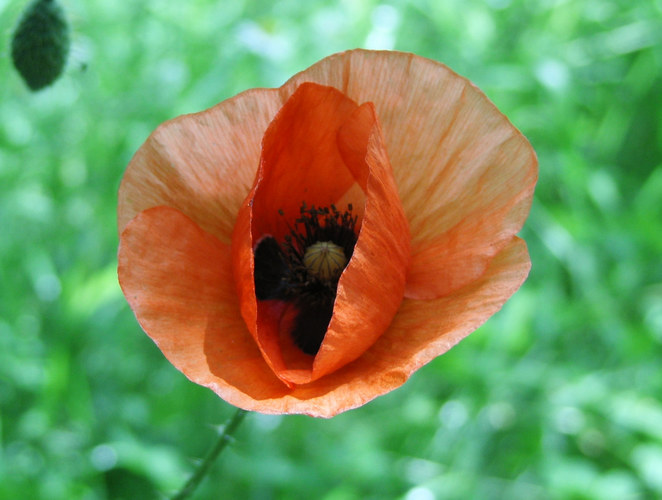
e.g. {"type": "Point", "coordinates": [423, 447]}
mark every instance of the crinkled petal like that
{"type": "Point", "coordinates": [465, 174]}
{"type": "Point", "coordinates": [300, 159]}
{"type": "Point", "coordinates": [372, 286]}
{"type": "Point", "coordinates": [178, 281]}
{"type": "Point", "coordinates": [202, 164]}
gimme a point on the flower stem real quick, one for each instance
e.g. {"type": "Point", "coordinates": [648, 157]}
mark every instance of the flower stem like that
{"type": "Point", "coordinates": [224, 438]}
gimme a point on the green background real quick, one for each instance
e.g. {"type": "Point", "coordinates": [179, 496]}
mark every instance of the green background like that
{"type": "Point", "coordinates": [557, 396]}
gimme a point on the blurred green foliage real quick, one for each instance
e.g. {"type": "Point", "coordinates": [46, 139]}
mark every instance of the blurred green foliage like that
{"type": "Point", "coordinates": [557, 396]}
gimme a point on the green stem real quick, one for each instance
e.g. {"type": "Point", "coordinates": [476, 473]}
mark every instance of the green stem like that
{"type": "Point", "coordinates": [205, 465]}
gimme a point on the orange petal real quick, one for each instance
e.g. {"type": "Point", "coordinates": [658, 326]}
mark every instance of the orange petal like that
{"type": "Point", "coordinates": [300, 163]}
{"type": "Point", "coordinates": [203, 164]}
{"type": "Point", "coordinates": [420, 333]}
{"type": "Point", "coordinates": [372, 286]}
{"type": "Point", "coordinates": [300, 159]}
{"type": "Point", "coordinates": [464, 173]}
{"type": "Point", "coordinates": [466, 249]}
{"type": "Point", "coordinates": [178, 281]}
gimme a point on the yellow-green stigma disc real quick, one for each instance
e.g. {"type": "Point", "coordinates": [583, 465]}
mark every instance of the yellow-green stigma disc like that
{"type": "Point", "coordinates": [325, 260]}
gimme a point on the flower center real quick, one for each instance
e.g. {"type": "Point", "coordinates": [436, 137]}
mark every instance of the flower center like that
{"type": "Point", "coordinates": [325, 260]}
{"type": "Point", "coordinates": [304, 269]}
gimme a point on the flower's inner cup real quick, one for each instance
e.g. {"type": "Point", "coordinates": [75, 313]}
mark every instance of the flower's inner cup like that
{"type": "Point", "coordinates": [304, 269]}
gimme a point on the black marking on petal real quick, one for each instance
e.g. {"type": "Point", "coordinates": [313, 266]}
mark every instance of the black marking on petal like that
{"type": "Point", "coordinates": [311, 324]}
{"type": "Point", "coordinates": [270, 269]}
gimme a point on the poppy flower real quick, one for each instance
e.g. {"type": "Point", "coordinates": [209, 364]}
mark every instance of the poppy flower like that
{"type": "Point", "coordinates": [305, 249]}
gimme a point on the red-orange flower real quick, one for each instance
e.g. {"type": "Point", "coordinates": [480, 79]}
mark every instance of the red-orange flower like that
{"type": "Point", "coordinates": [398, 170]}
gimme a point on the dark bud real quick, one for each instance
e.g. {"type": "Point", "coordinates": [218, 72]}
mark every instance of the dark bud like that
{"type": "Point", "coordinates": [40, 45]}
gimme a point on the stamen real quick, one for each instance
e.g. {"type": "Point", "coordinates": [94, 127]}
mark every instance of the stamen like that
{"type": "Point", "coordinates": [305, 269]}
